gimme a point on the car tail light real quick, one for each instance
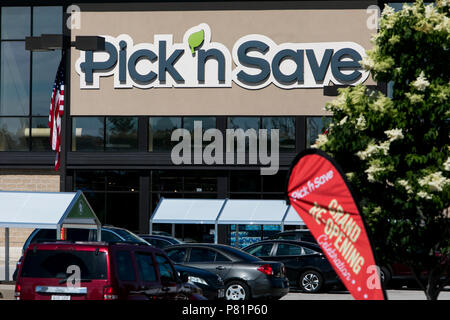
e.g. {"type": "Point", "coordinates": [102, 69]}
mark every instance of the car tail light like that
{"type": "Point", "coordinates": [266, 269]}
{"type": "Point", "coordinates": [17, 292]}
{"type": "Point", "coordinates": [109, 293]}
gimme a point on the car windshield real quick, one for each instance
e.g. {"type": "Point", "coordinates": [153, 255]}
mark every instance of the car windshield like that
{"type": "Point", "coordinates": [240, 254]}
{"type": "Point", "coordinates": [56, 263]}
{"type": "Point", "coordinates": [129, 236]}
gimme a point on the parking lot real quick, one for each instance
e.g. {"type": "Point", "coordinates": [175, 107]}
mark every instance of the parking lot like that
{"type": "Point", "coordinates": [7, 293]}
{"type": "Point", "coordinates": [402, 294]}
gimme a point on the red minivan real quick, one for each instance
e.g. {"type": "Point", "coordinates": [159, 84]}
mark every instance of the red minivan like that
{"type": "Point", "coordinates": [100, 271]}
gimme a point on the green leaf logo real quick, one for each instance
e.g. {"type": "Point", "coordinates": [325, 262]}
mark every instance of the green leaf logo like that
{"type": "Point", "coordinates": [196, 39]}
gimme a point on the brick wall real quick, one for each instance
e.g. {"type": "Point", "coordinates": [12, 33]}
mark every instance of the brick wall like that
{"type": "Point", "coordinates": [43, 181]}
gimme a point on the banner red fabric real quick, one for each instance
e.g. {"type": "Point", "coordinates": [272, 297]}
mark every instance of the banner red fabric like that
{"type": "Point", "coordinates": [319, 193]}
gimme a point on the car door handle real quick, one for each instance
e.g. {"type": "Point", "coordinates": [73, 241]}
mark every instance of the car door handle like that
{"type": "Point", "coordinates": [165, 289]}
{"type": "Point", "coordinates": [220, 268]}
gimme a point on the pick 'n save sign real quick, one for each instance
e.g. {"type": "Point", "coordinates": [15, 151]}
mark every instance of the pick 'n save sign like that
{"type": "Point", "coordinates": [320, 194]}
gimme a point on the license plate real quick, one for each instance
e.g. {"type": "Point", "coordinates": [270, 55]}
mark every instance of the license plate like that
{"type": "Point", "coordinates": [57, 297]}
{"type": "Point", "coordinates": [221, 293]}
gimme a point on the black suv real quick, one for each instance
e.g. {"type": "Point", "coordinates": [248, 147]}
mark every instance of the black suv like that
{"type": "Point", "coordinates": [297, 235]}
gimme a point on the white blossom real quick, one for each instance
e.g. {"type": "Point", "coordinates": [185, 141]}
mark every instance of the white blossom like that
{"type": "Point", "coordinates": [443, 26]}
{"type": "Point", "coordinates": [421, 82]}
{"type": "Point", "coordinates": [447, 164]}
{"type": "Point", "coordinates": [350, 175]}
{"type": "Point", "coordinates": [343, 121]}
{"type": "Point", "coordinates": [320, 141]}
{"type": "Point", "coordinates": [367, 63]}
{"type": "Point", "coordinates": [361, 122]}
{"type": "Point", "coordinates": [371, 149]}
{"type": "Point", "coordinates": [430, 11]}
{"type": "Point", "coordinates": [387, 11]}
{"type": "Point", "coordinates": [414, 98]}
{"type": "Point", "coordinates": [405, 184]}
{"type": "Point", "coordinates": [424, 195]}
{"type": "Point", "coordinates": [339, 102]}
{"type": "Point", "coordinates": [375, 167]}
{"type": "Point", "coordinates": [434, 181]}
{"type": "Point", "coordinates": [384, 146]}
{"type": "Point", "coordinates": [376, 210]}
{"type": "Point", "coordinates": [382, 104]}
{"type": "Point", "coordinates": [394, 134]}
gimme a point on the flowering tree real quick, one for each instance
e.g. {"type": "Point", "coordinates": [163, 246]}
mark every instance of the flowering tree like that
{"type": "Point", "coordinates": [395, 151]}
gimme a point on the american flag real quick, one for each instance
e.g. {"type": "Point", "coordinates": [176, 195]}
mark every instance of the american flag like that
{"type": "Point", "coordinates": [57, 112]}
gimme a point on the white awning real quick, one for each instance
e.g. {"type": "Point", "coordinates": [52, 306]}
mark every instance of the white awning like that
{"type": "Point", "coordinates": [253, 212]}
{"type": "Point", "coordinates": [47, 210]}
{"type": "Point", "coordinates": [187, 211]}
{"type": "Point", "coordinates": [223, 211]}
{"type": "Point", "coordinates": [292, 218]}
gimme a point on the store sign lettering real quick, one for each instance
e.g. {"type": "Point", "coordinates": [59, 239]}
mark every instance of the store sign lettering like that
{"type": "Point", "coordinates": [255, 62]}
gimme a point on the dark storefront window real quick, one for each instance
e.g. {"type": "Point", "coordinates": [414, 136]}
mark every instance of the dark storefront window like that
{"type": "Point", "coordinates": [16, 23]}
{"type": "Point", "coordinates": [40, 134]}
{"type": "Point", "coordinates": [160, 131]}
{"type": "Point", "coordinates": [14, 133]}
{"type": "Point", "coordinates": [46, 20]}
{"type": "Point", "coordinates": [113, 195]}
{"type": "Point", "coordinates": [252, 185]}
{"type": "Point", "coordinates": [243, 123]}
{"type": "Point", "coordinates": [104, 134]}
{"type": "Point", "coordinates": [42, 80]}
{"type": "Point", "coordinates": [121, 133]}
{"type": "Point", "coordinates": [245, 181]}
{"type": "Point", "coordinates": [286, 127]}
{"type": "Point", "coordinates": [21, 71]}
{"type": "Point", "coordinates": [88, 133]}
{"type": "Point", "coordinates": [206, 122]}
{"type": "Point", "coordinates": [314, 127]}
{"type": "Point", "coordinates": [15, 79]}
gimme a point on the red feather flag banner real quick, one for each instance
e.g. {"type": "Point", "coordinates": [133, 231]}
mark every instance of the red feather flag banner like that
{"type": "Point", "coordinates": [320, 194]}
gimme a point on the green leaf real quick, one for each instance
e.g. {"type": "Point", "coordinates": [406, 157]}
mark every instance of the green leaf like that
{"type": "Point", "coordinates": [196, 39]}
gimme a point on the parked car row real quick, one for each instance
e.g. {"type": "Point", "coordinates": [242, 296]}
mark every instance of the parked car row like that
{"type": "Point", "coordinates": [135, 269]}
{"type": "Point", "coordinates": [162, 267]}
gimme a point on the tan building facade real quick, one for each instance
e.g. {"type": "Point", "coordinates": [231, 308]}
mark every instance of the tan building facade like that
{"type": "Point", "coordinates": [303, 22]}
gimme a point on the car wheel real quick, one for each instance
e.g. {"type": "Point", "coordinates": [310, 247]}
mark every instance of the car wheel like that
{"type": "Point", "coordinates": [385, 276]}
{"type": "Point", "coordinates": [237, 290]}
{"type": "Point", "coordinates": [311, 281]}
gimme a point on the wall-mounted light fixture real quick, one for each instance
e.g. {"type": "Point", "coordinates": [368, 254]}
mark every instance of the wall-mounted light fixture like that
{"type": "Point", "coordinates": [47, 42]}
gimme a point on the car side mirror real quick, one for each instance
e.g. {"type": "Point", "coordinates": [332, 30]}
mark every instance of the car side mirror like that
{"type": "Point", "coordinates": [184, 276]}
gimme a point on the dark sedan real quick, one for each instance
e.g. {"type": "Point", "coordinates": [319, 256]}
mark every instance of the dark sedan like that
{"type": "Point", "coordinates": [211, 284]}
{"type": "Point", "coordinates": [306, 265]}
{"type": "Point", "coordinates": [160, 241]}
{"type": "Point", "coordinates": [245, 276]}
